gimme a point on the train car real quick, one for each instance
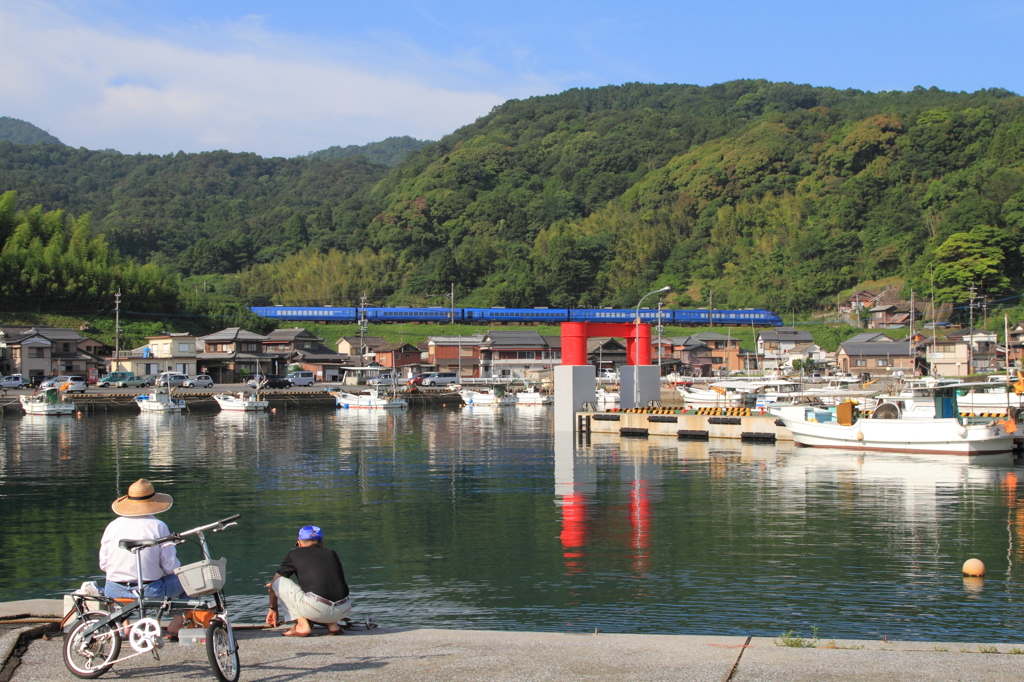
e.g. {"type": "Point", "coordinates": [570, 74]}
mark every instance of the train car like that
{"type": "Point", "coordinates": [403, 314]}
{"type": "Point", "coordinates": [751, 316]}
{"type": "Point", "coordinates": [547, 315]}
{"type": "Point", "coordinates": [325, 314]}
{"type": "Point", "coordinates": [619, 315]}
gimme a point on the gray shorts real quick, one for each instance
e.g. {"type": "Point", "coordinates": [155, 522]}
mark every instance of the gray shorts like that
{"type": "Point", "coordinates": [294, 603]}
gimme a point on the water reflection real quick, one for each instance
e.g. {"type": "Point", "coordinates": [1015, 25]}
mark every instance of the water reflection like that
{"type": "Point", "coordinates": [483, 518]}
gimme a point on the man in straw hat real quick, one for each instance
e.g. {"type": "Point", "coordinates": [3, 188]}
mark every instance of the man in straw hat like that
{"type": "Point", "coordinates": [136, 521]}
{"type": "Point", "coordinates": [311, 585]}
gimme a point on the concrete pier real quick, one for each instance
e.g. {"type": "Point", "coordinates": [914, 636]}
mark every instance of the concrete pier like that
{"type": "Point", "coordinates": [407, 655]}
{"type": "Point", "coordinates": [735, 423]}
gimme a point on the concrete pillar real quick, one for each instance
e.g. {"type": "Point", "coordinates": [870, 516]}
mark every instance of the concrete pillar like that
{"type": "Point", "coordinates": [574, 385]}
{"type": "Point", "coordinates": [649, 381]}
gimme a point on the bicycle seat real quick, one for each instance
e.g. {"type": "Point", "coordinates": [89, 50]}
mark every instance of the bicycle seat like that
{"type": "Point", "coordinates": [132, 544]}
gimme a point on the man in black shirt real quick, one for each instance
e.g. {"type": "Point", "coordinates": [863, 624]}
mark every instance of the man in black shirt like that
{"type": "Point", "coordinates": [311, 587]}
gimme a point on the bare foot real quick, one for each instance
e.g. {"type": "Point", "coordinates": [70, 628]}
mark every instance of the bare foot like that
{"type": "Point", "coordinates": [292, 632]}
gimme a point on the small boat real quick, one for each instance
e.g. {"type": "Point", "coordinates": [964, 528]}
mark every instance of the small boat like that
{"type": "Point", "coordinates": [159, 400]}
{"type": "Point", "coordinates": [946, 432]}
{"type": "Point", "coordinates": [533, 396]}
{"type": "Point", "coordinates": [371, 399]}
{"type": "Point", "coordinates": [241, 402]}
{"type": "Point", "coordinates": [486, 397]}
{"type": "Point", "coordinates": [47, 402]}
{"type": "Point", "coordinates": [604, 397]}
{"type": "Point", "coordinates": [719, 394]}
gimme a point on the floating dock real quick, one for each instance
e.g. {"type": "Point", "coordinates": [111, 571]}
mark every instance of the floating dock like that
{"type": "Point", "coordinates": [736, 423]}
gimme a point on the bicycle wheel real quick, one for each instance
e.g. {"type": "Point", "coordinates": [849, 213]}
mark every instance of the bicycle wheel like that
{"type": "Point", "coordinates": [223, 659]}
{"type": "Point", "coordinates": [92, 659]}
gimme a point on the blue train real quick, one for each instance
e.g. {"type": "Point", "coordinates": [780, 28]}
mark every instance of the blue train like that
{"type": "Point", "coordinates": [674, 316]}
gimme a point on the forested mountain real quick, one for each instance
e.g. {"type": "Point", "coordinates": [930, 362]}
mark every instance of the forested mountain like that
{"type": "Point", "coordinates": [389, 152]}
{"type": "Point", "coordinates": [23, 132]}
{"type": "Point", "coordinates": [194, 213]}
{"type": "Point", "coordinates": [770, 194]}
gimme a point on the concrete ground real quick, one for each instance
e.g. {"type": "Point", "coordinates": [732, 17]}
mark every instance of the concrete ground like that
{"type": "Point", "coordinates": [459, 655]}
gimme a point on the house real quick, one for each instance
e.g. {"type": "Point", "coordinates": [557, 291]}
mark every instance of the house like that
{"type": "Point", "coordinates": [40, 351]}
{"type": "Point", "coordinates": [232, 354]}
{"type": "Point", "coordinates": [725, 351]}
{"type": "Point", "coordinates": [883, 316]}
{"type": "Point", "coordinates": [175, 351]}
{"type": "Point", "coordinates": [694, 357]}
{"type": "Point", "coordinates": [807, 354]}
{"type": "Point", "coordinates": [773, 345]}
{"type": "Point", "coordinates": [298, 346]}
{"type": "Point", "coordinates": [1015, 343]}
{"type": "Point", "coordinates": [980, 346]}
{"type": "Point", "coordinates": [455, 354]}
{"type": "Point", "coordinates": [349, 345]}
{"type": "Point", "coordinates": [877, 357]}
{"type": "Point", "coordinates": [398, 355]}
{"type": "Point", "coordinates": [946, 358]}
{"type": "Point", "coordinates": [858, 300]}
{"type": "Point", "coordinates": [870, 337]}
{"type": "Point", "coordinates": [517, 353]}
{"type": "Point", "coordinates": [605, 352]}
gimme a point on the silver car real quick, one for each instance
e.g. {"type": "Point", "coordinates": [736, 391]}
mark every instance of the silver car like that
{"type": "Point", "coordinates": [198, 381]}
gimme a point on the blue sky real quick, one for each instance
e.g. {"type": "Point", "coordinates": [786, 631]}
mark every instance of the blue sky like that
{"type": "Point", "coordinates": [281, 78]}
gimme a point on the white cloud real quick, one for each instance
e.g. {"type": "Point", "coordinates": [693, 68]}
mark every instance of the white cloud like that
{"type": "Point", "coordinates": [102, 86]}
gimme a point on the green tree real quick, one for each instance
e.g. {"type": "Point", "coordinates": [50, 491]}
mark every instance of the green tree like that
{"type": "Point", "coordinates": [971, 258]}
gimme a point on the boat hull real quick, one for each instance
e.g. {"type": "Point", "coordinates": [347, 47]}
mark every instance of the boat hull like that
{"type": "Point", "coordinates": [232, 403]}
{"type": "Point", "coordinates": [44, 408]}
{"type": "Point", "coordinates": [945, 436]}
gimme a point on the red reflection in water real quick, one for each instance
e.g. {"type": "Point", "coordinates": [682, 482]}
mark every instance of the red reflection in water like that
{"type": "Point", "coordinates": [574, 530]}
{"type": "Point", "coordinates": [640, 521]}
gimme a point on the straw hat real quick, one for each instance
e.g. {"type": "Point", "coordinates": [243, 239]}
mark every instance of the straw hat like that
{"type": "Point", "coordinates": [141, 500]}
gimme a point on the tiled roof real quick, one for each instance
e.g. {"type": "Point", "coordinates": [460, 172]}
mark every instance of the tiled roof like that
{"type": "Point", "coordinates": [291, 334]}
{"type": "Point", "coordinates": [515, 338]}
{"type": "Point", "coordinates": [869, 337]}
{"type": "Point", "coordinates": [456, 340]}
{"type": "Point", "coordinates": [785, 334]}
{"type": "Point", "coordinates": [231, 334]}
{"type": "Point", "coordinates": [894, 349]}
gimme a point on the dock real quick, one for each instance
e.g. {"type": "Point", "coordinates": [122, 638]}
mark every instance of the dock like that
{"type": "Point", "coordinates": [736, 423]}
{"type": "Point", "coordinates": [390, 654]}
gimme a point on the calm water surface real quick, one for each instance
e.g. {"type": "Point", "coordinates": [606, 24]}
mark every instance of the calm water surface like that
{"type": "Point", "coordinates": [481, 518]}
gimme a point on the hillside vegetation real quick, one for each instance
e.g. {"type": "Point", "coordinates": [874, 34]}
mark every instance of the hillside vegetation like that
{"type": "Point", "coordinates": [23, 132]}
{"type": "Point", "coordinates": [770, 194]}
{"type": "Point", "coordinates": [389, 152]}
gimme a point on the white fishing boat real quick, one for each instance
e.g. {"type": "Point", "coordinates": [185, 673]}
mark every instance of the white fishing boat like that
{"type": "Point", "coordinates": [486, 397]}
{"type": "Point", "coordinates": [241, 402]}
{"type": "Point", "coordinates": [606, 398]}
{"type": "Point", "coordinates": [49, 402]}
{"type": "Point", "coordinates": [159, 400]}
{"type": "Point", "coordinates": [718, 394]}
{"type": "Point", "coordinates": [998, 395]}
{"type": "Point", "coordinates": [370, 399]}
{"type": "Point", "coordinates": [533, 396]}
{"type": "Point", "coordinates": [844, 427]}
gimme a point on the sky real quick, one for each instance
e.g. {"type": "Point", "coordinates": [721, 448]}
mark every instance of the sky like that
{"type": "Point", "coordinates": [286, 78]}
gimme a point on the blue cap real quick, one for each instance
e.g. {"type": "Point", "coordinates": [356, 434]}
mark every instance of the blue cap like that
{"type": "Point", "coordinates": [311, 533]}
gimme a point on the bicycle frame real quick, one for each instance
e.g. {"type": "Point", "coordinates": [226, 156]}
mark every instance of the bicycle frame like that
{"type": "Point", "coordinates": [120, 612]}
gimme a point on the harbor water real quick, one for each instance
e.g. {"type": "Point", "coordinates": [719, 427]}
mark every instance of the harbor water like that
{"type": "Point", "coordinates": [482, 518]}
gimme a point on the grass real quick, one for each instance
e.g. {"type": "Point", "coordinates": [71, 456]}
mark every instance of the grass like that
{"type": "Point", "coordinates": [988, 649]}
{"type": "Point", "coordinates": [791, 639]}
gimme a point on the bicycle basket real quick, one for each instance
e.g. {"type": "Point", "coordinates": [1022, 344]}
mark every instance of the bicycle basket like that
{"type": "Point", "coordinates": [202, 577]}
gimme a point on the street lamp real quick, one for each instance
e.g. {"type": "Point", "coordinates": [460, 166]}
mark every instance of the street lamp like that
{"type": "Point", "coordinates": [636, 346]}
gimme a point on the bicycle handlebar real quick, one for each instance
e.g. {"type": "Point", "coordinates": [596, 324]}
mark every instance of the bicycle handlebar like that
{"type": "Point", "coordinates": [216, 526]}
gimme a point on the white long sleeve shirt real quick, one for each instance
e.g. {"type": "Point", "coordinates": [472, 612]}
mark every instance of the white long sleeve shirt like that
{"type": "Point", "coordinates": [119, 564]}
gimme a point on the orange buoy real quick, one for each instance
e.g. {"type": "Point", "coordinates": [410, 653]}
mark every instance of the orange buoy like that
{"type": "Point", "coordinates": [974, 567]}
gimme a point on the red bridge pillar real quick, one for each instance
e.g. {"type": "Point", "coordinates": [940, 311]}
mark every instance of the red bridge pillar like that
{"type": "Point", "coordinates": [575, 335]}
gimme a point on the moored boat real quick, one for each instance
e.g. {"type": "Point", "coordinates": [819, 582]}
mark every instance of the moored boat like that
{"type": "Point", "coordinates": [486, 397]}
{"type": "Point", "coordinates": [159, 400]}
{"type": "Point", "coordinates": [533, 397]}
{"type": "Point", "coordinates": [241, 402]}
{"type": "Point", "coordinates": [606, 398]}
{"type": "Point", "coordinates": [887, 429]}
{"type": "Point", "coordinates": [371, 399]}
{"type": "Point", "coordinates": [48, 402]}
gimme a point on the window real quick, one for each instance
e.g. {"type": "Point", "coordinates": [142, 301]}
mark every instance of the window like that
{"type": "Point", "coordinates": [860, 363]}
{"type": "Point", "coordinates": [37, 352]}
{"type": "Point", "coordinates": [883, 362]}
{"type": "Point", "coordinates": [184, 347]}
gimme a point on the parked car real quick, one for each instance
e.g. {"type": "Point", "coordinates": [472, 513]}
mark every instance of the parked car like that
{"type": "Point", "coordinates": [199, 381]}
{"type": "Point", "coordinates": [54, 382]}
{"type": "Point", "coordinates": [418, 379]}
{"type": "Point", "coordinates": [136, 381]}
{"type": "Point", "coordinates": [114, 379]}
{"type": "Point", "coordinates": [269, 381]}
{"type": "Point", "coordinates": [816, 378]}
{"type": "Point", "coordinates": [382, 379]}
{"type": "Point", "coordinates": [74, 383]}
{"type": "Point", "coordinates": [38, 379]}
{"type": "Point", "coordinates": [301, 378]}
{"type": "Point", "coordinates": [12, 381]}
{"type": "Point", "coordinates": [441, 379]}
{"type": "Point", "coordinates": [170, 379]}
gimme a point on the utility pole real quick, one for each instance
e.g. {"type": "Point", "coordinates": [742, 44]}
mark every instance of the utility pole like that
{"type": "Point", "coordinates": [711, 307]}
{"type": "Point", "coordinates": [362, 326]}
{"type": "Point", "coordinates": [913, 313]}
{"type": "Point", "coordinates": [970, 339]}
{"type": "Point", "coordinates": [117, 329]}
{"type": "Point", "coordinates": [453, 304]}
{"type": "Point", "coordinates": [660, 328]}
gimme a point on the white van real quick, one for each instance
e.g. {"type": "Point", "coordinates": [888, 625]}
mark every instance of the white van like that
{"type": "Point", "coordinates": [301, 378]}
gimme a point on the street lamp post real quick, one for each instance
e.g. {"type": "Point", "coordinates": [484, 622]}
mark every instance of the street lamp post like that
{"type": "Point", "coordinates": [636, 346]}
